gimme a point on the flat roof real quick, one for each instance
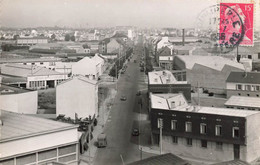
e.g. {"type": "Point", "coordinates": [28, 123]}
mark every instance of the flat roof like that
{"type": "Point", "coordinates": [243, 101]}
{"type": "Point", "coordinates": [219, 111]}
{"type": "Point", "coordinates": [163, 77]}
{"type": "Point", "coordinates": [214, 62]}
{"type": "Point", "coordinates": [16, 126]}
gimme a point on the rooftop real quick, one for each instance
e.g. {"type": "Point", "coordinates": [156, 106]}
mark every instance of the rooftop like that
{"type": "Point", "coordinates": [168, 101]}
{"type": "Point", "coordinates": [163, 77]}
{"type": "Point", "coordinates": [26, 70]}
{"type": "Point", "coordinates": [213, 62]}
{"type": "Point", "coordinates": [80, 77]}
{"type": "Point", "coordinates": [23, 60]}
{"type": "Point", "coordinates": [14, 126]}
{"type": "Point", "coordinates": [243, 101]}
{"type": "Point", "coordinates": [244, 77]}
{"type": "Point", "coordinates": [164, 102]}
{"type": "Point", "coordinates": [165, 159]}
{"type": "Point", "coordinates": [7, 89]}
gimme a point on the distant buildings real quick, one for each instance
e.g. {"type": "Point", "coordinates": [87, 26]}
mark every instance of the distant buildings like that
{"type": "Point", "coordinates": [243, 84]}
{"type": "Point", "coordinates": [31, 41]}
{"type": "Point", "coordinates": [217, 134]}
{"type": "Point", "coordinates": [34, 77]}
{"type": "Point", "coordinates": [77, 96]}
{"type": "Point", "coordinates": [165, 58]}
{"type": "Point", "coordinates": [165, 82]}
{"type": "Point", "coordinates": [14, 99]}
{"type": "Point", "coordinates": [207, 72]}
{"type": "Point", "coordinates": [32, 140]}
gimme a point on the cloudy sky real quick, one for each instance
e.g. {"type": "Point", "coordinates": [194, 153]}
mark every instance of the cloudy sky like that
{"type": "Point", "coordinates": [100, 13]}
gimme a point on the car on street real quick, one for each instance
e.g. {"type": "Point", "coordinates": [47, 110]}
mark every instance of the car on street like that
{"type": "Point", "coordinates": [135, 132]}
{"type": "Point", "coordinates": [123, 98]}
{"type": "Point", "coordinates": [138, 93]}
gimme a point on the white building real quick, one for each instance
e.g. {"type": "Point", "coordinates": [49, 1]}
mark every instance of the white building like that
{"type": "Point", "coordinates": [13, 99]}
{"type": "Point", "coordinates": [163, 42]}
{"type": "Point", "coordinates": [36, 77]}
{"type": "Point", "coordinates": [31, 41]}
{"type": "Point", "coordinates": [36, 141]}
{"type": "Point", "coordinates": [89, 67]}
{"type": "Point", "coordinates": [77, 96]}
{"type": "Point", "coordinates": [243, 102]}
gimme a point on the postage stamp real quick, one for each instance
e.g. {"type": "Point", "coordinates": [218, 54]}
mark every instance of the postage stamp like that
{"type": "Point", "coordinates": [226, 25]}
{"type": "Point", "coordinates": [235, 19]}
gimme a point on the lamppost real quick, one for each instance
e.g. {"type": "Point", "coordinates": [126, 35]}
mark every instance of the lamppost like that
{"type": "Point", "coordinates": [139, 125]}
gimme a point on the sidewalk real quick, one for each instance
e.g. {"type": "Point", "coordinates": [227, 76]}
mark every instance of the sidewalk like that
{"type": "Point", "coordinates": [88, 156]}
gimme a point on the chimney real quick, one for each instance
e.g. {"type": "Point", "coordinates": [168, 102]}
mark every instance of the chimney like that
{"type": "Point", "coordinates": [183, 37]}
{"type": "Point", "coordinates": [173, 104]}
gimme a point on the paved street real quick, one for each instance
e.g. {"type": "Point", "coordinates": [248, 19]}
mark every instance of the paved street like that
{"type": "Point", "coordinates": [123, 117]}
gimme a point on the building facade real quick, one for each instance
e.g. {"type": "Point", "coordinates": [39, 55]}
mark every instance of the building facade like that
{"type": "Point", "coordinates": [31, 41]}
{"type": "Point", "coordinates": [77, 96]}
{"type": "Point", "coordinates": [24, 143]}
{"type": "Point", "coordinates": [243, 84]}
{"type": "Point", "coordinates": [216, 134]}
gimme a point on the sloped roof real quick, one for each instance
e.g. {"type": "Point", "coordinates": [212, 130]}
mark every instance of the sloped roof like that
{"type": "Point", "coordinates": [165, 51]}
{"type": "Point", "coordinates": [213, 62]}
{"type": "Point", "coordinates": [119, 35]}
{"type": "Point", "coordinates": [79, 77]}
{"type": "Point", "coordinates": [26, 70]}
{"type": "Point", "coordinates": [244, 77]}
{"type": "Point", "coordinates": [165, 159]}
{"type": "Point", "coordinates": [243, 101]}
{"type": "Point", "coordinates": [14, 126]}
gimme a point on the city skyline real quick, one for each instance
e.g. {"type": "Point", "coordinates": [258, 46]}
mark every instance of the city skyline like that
{"type": "Point", "coordinates": [101, 13]}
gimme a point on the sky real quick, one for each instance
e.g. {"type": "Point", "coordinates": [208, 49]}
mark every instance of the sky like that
{"type": "Point", "coordinates": [101, 13]}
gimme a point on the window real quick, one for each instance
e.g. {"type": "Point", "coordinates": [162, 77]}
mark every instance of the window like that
{"type": "Point", "coordinates": [248, 87]}
{"type": "Point", "coordinates": [175, 139]}
{"type": "Point", "coordinates": [218, 130]}
{"type": "Point", "coordinates": [257, 88]}
{"type": "Point", "coordinates": [203, 128]}
{"type": "Point", "coordinates": [249, 56]}
{"type": "Point", "coordinates": [173, 124]}
{"type": "Point", "coordinates": [24, 63]}
{"type": "Point", "coordinates": [189, 141]}
{"type": "Point", "coordinates": [248, 94]}
{"type": "Point", "coordinates": [219, 145]}
{"type": "Point", "coordinates": [41, 63]}
{"type": "Point", "coordinates": [235, 132]}
{"type": "Point", "coordinates": [204, 143]}
{"type": "Point", "coordinates": [159, 122]}
{"type": "Point", "coordinates": [33, 63]}
{"type": "Point", "coordinates": [239, 87]}
{"type": "Point", "coordinates": [188, 126]}
{"type": "Point", "coordinates": [239, 94]}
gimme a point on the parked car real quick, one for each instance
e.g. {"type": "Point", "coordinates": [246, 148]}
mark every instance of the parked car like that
{"type": "Point", "coordinates": [138, 93]}
{"type": "Point", "coordinates": [135, 132]}
{"type": "Point", "coordinates": [102, 140]}
{"type": "Point", "coordinates": [123, 98]}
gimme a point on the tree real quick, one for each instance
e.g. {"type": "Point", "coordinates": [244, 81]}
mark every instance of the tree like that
{"type": "Point", "coordinates": [53, 36]}
{"type": "Point", "coordinates": [72, 38]}
{"type": "Point", "coordinates": [67, 37]}
{"type": "Point", "coordinates": [15, 37]}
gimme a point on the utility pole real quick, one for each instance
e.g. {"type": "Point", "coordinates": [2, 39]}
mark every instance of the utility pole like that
{"type": "Point", "coordinates": [139, 125]}
{"type": "Point", "coordinates": [89, 132]}
{"type": "Point", "coordinates": [198, 95]}
{"type": "Point", "coordinates": [161, 126]}
{"type": "Point", "coordinates": [122, 159]}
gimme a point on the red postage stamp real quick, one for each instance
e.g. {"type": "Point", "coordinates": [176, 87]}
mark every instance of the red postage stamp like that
{"type": "Point", "coordinates": [236, 20]}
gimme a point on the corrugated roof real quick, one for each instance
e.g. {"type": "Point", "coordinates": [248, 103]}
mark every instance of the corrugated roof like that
{"type": "Point", "coordinates": [243, 101]}
{"type": "Point", "coordinates": [7, 89]}
{"type": "Point", "coordinates": [214, 62]}
{"type": "Point", "coordinates": [165, 159]}
{"type": "Point", "coordinates": [15, 127]}
{"type": "Point", "coordinates": [244, 77]}
{"type": "Point", "coordinates": [23, 60]}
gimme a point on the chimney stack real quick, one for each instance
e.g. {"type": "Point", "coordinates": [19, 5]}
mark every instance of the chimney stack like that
{"type": "Point", "coordinates": [183, 37]}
